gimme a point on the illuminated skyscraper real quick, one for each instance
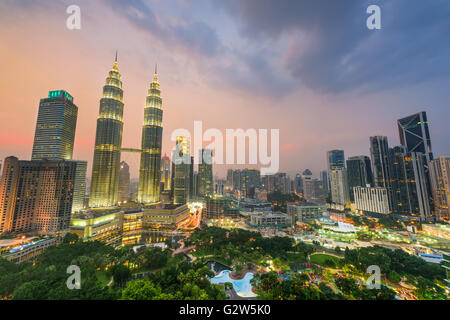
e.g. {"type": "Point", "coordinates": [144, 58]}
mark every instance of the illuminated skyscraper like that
{"type": "Point", "coordinates": [108, 141]}
{"type": "Point", "coordinates": [415, 134]}
{"type": "Point", "coordinates": [124, 182]}
{"type": "Point", "coordinates": [79, 191]}
{"type": "Point", "coordinates": [440, 182]}
{"type": "Point", "coordinates": [54, 137]}
{"type": "Point", "coordinates": [182, 159]}
{"type": "Point", "coordinates": [335, 159]}
{"type": "Point", "coordinates": [150, 169]}
{"type": "Point", "coordinates": [359, 173]}
{"type": "Point", "coordinates": [415, 138]}
{"type": "Point", "coordinates": [165, 173]}
{"type": "Point", "coordinates": [55, 127]}
{"type": "Point", "coordinates": [205, 173]}
{"type": "Point", "coordinates": [339, 186]}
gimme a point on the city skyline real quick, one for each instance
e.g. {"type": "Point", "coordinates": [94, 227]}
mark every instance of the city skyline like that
{"type": "Point", "coordinates": [313, 118]}
{"type": "Point", "coordinates": [243, 151]}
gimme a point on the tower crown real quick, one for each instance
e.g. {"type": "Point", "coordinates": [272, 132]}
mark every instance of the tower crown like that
{"type": "Point", "coordinates": [115, 67]}
{"type": "Point", "coordinates": [155, 76]}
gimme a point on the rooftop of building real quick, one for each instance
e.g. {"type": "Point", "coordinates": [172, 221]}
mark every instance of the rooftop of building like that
{"type": "Point", "coordinates": [94, 213]}
{"type": "Point", "coordinates": [308, 204]}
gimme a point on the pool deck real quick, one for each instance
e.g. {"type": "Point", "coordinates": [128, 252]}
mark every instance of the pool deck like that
{"type": "Point", "coordinates": [232, 295]}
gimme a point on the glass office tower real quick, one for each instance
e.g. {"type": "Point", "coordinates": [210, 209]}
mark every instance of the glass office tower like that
{"type": "Point", "coordinates": [55, 127]}
{"type": "Point", "coordinates": [182, 176]}
{"type": "Point", "coordinates": [415, 134]}
{"type": "Point", "coordinates": [359, 173]}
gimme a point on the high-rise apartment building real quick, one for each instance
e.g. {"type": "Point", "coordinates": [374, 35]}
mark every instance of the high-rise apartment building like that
{"type": "Point", "coordinates": [104, 190]}
{"type": "Point", "coordinates": [250, 179]}
{"type": "Point", "coordinates": [150, 169]}
{"type": "Point", "coordinates": [36, 196]}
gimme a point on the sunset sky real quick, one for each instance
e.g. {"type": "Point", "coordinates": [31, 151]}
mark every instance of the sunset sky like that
{"type": "Point", "coordinates": [309, 68]}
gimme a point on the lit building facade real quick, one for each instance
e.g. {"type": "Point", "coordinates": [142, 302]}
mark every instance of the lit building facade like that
{"type": "Point", "coordinates": [339, 186]}
{"type": "Point", "coordinates": [335, 159]}
{"type": "Point", "coordinates": [182, 175]}
{"type": "Point", "coordinates": [79, 191]}
{"type": "Point", "coordinates": [359, 173]}
{"type": "Point", "coordinates": [108, 142]}
{"type": "Point", "coordinates": [313, 190]}
{"type": "Point", "coordinates": [165, 173]}
{"type": "Point", "coordinates": [409, 195]}
{"type": "Point", "coordinates": [415, 137]}
{"type": "Point", "coordinates": [36, 196]}
{"type": "Point", "coordinates": [150, 168]}
{"type": "Point", "coordinates": [168, 216]}
{"type": "Point", "coordinates": [440, 183]}
{"type": "Point", "coordinates": [371, 200]}
{"type": "Point", "coordinates": [265, 219]}
{"type": "Point", "coordinates": [205, 173]}
{"type": "Point", "coordinates": [306, 212]}
{"type": "Point", "coordinates": [55, 127]}
{"type": "Point", "coordinates": [381, 169]}
{"type": "Point", "coordinates": [105, 226]}
{"type": "Point", "coordinates": [415, 134]}
{"type": "Point", "coordinates": [219, 207]}
{"type": "Point", "coordinates": [124, 182]}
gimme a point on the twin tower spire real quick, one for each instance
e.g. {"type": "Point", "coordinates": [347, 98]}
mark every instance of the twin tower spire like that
{"type": "Point", "coordinates": [108, 144]}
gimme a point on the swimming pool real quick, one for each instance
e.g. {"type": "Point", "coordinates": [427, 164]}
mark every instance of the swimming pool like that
{"type": "Point", "coordinates": [242, 287]}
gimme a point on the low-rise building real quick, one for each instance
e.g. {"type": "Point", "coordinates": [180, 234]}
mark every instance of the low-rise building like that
{"type": "Point", "coordinates": [264, 219]}
{"type": "Point", "coordinates": [101, 225]}
{"type": "Point", "coordinates": [171, 216]}
{"type": "Point", "coordinates": [218, 207]}
{"type": "Point", "coordinates": [336, 215]}
{"type": "Point", "coordinates": [307, 211]}
{"type": "Point", "coordinates": [29, 251]}
{"type": "Point", "coordinates": [254, 205]}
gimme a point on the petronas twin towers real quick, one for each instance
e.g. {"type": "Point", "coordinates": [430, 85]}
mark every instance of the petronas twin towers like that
{"type": "Point", "coordinates": [108, 144]}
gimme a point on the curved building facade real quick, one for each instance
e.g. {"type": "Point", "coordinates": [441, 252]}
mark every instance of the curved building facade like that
{"type": "Point", "coordinates": [108, 142]}
{"type": "Point", "coordinates": [150, 167]}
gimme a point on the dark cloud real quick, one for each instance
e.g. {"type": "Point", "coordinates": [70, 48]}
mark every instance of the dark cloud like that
{"type": "Point", "coordinates": [342, 53]}
{"type": "Point", "coordinates": [193, 35]}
